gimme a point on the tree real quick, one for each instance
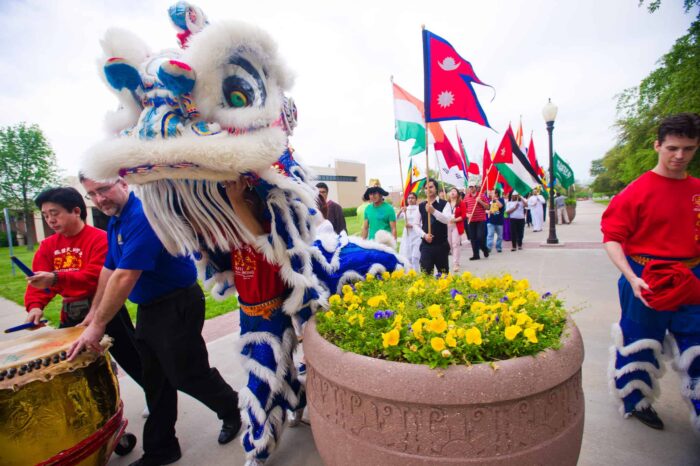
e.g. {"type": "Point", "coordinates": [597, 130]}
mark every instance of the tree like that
{"type": "Point", "coordinates": [673, 87]}
{"type": "Point", "coordinates": [27, 166]}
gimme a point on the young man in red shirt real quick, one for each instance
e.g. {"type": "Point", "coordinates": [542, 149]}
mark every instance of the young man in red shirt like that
{"type": "Point", "coordinates": [657, 217]}
{"type": "Point", "coordinates": [476, 204]}
{"type": "Point", "coordinates": [68, 264]}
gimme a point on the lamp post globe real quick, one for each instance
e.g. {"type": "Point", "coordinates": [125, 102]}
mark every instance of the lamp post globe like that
{"type": "Point", "coordinates": [549, 113]}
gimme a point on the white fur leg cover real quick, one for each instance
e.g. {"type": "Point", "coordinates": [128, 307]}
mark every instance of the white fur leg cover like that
{"type": "Point", "coordinates": [634, 370]}
{"type": "Point", "coordinates": [272, 386]}
{"type": "Point", "coordinates": [686, 361]}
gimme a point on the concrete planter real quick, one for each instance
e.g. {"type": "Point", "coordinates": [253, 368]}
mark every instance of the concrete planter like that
{"type": "Point", "coordinates": [374, 412]}
{"type": "Point", "coordinates": [571, 212]}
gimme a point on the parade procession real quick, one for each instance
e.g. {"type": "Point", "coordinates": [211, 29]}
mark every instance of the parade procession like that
{"type": "Point", "coordinates": [413, 305]}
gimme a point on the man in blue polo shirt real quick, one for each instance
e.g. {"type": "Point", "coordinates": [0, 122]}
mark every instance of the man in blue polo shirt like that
{"type": "Point", "coordinates": [169, 322]}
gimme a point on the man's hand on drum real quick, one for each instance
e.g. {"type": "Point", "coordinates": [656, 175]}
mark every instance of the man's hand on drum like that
{"type": "Point", "coordinates": [41, 280]}
{"type": "Point", "coordinates": [90, 339]}
{"type": "Point", "coordinates": [34, 315]}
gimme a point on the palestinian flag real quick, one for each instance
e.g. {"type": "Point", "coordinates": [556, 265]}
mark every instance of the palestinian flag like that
{"type": "Point", "coordinates": [409, 119]}
{"type": "Point", "coordinates": [514, 166]}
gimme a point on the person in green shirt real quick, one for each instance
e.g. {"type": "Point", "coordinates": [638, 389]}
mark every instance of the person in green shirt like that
{"type": "Point", "coordinates": [379, 215]}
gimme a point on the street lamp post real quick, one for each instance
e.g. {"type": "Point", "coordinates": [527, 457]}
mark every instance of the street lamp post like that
{"type": "Point", "coordinates": [549, 112]}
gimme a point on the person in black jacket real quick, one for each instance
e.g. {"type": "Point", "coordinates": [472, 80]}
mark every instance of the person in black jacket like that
{"type": "Point", "coordinates": [434, 248]}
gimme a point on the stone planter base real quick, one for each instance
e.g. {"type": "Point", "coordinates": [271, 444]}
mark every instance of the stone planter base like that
{"type": "Point", "coordinates": [366, 411]}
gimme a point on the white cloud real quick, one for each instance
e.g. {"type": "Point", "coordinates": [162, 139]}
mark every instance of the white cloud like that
{"type": "Point", "coordinates": [580, 55]}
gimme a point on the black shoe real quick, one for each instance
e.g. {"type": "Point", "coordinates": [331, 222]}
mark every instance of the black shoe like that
{"type": "Point", "coordinates": [150, 461]}
{"type": "Point", "coordinates": [475, 258]}
{"type": "Point", "coordinates": [649, 417]}
{"type": "Point", "coordinates": [487, 252]}
{"type": "Point", "coordinates": [520, 247]}
{"type": "Point", "coordinates": [513, 249]}
{"type": "Point", "coordinates": [229, 430]}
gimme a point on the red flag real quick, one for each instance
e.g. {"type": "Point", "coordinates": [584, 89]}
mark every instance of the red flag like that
{"type": "Point", "coordinates": [532, 158]}
{"type": "Point", "coordinates": [449, 94]}
{"type": "Point", "coordinates": [471, 166]}
{"type": "Point", "coordinates": [504, 154]}
{"type": "Point", "coordinates": [490, 175]}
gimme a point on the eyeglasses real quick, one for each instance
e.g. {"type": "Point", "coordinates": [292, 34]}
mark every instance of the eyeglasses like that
{"type": "Point", "coordinates": [99, 191]}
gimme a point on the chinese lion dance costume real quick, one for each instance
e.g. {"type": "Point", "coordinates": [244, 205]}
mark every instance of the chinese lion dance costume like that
{"type": "Point", "coordinates": [192, 118]}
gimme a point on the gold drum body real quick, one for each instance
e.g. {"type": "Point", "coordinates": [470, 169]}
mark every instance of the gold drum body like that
{"type": "Point", "coordinates": [53, 411]}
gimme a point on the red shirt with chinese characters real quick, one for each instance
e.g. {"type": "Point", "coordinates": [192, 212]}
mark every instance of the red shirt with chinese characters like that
{"type": "Point", "coordinates": [656, 216]}
{"type": "Point", "coordinates": [255, 278]}
{"type": "Point", "coordinates": [77, 259]}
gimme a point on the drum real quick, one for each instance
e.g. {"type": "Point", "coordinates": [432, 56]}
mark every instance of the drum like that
{"type": "Point", "coordinates": [53, 411]}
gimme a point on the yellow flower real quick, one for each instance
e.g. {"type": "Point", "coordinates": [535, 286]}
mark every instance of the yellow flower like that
{"type": "Point", "coordinates": [450, 339]}
{"type": "Point", "coordinates": [358, 285]}
{"type": "Point", "coordinates": [435, 311]}
{"type": "Point", "coordinates": [391, 338]}
{"type": "Point", "coordinates": [417, 328]}
{"type": "Point", "coordinates": [531, 335]}
{"type": "Point", "coordinates": [353, 307]}
{"type": "Point", "coordinates": [446, 353]}
{"type": "Point", "coordinates": [411, 273]}
{"type": "Point", "coordinates": [413, 348]}
{"type": "Point", "coordinates": [517, 303]}
{"type": "Point", "coordinates": [347, 289]}
{"type": "Point", "coordinates": [386, 275]}
{"type": "Point", "coordinates": [466, 276]}
{"type": "Point", "coordinates": [522, 319]}
{"type": "Point", "coordinates": [398, 273]}
{"type": "Point", "coordinates": [438, 325]}
{"type": "Point", "coordinates": [361, 320]}
{"type": "Point", "coordinates": [348, 297]}
{"type": "Point", "coordinates": [473, 336]}
{"type": "Point", "coordinates": [437, 343]}
{"type": "Point", "coordinates": [522, 285]}
{"type": "Point", "coordinates": [376, 301]}
{"type": "Point", "coordinates": [456, 315]}
{"type": "Point", "coordinates": [477, 307]}
{"type": "Point", "coordinates": [401, 306]}
{"type": "Point", "coordinates": [334, 299]}
{"type": "Point", "coordinates": [512, 331]}
{"type": "Point", "coordinates": [369, 277]}
{"type": "Point", "coordinates": [476, 283]}
{"type": "Point", "coordinates": [459, 299]}
{"type": "Point", "coordinates": [329, 315]}
{"type": "Point", "coordinates": [398, 320]}
{"type": "Point", "coordinates": [461, 332]}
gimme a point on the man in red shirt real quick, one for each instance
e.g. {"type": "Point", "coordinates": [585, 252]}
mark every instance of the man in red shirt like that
{"type": "Point", "coordinates": [657, 217]}
{"type": "Point", "coordinates": [476, 204]}
{"type": "Point", "coordinates": [68, 264]}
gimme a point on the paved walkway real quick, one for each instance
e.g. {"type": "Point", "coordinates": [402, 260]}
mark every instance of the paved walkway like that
{"type": "Point", "coordinates": [579, 271]}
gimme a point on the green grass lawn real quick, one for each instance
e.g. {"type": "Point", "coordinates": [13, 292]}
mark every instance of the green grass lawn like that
{"type": "Point", "coordinates": [603, 201]}
{"type": "Point", "coordinates": [13, 287]}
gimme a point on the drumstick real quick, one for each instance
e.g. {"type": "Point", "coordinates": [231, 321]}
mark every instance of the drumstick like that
{"type": "Point", "coordinates": [25, 326]}
{"type": "Point", "coordinates": [27, 271]}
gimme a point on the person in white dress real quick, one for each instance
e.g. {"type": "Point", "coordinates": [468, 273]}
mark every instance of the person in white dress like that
{"type": "Point", "coordinates": [536, 204]}
{"type": "Point", "coordinates": [410, 240]}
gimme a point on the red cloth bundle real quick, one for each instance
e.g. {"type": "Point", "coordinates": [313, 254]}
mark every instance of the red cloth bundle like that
{"type": "Point", "coordinates": [672, 285]}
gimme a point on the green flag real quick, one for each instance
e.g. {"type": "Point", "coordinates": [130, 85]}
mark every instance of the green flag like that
{"type": "Point", "coordinates": [563, 172]}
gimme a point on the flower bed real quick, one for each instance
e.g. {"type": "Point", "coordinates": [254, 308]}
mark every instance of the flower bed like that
{"type": "Point", "coordinates": [450, 320]}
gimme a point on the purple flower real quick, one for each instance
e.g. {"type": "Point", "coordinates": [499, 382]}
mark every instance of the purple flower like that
{"type": "Point", "coordinates": [546, 295]}
{"type": "Point", "coordinates": [504, 299]}
{"type": "Point", "coordinates": [378, 315]}
{"type": "Point", "coordinates": [454, 293]}
{"type": "Point", "coordinates": [388, 313]}
{"type": "Point", "coordinates": [472, 296]}
{"type": "Point", "coordinates": [497, 318]}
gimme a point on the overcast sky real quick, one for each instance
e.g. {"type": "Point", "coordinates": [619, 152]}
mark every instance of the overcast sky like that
{"type": "Point", "coordinates": [581, 54]}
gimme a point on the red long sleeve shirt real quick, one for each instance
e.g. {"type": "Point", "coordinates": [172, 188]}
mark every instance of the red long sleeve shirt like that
{"type": "Point", "coordinates": [656, 216]}
{"type": "Point", "coordinates": [77, 259]}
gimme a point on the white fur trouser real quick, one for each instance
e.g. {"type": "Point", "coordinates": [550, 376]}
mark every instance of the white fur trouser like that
{"type": "Point", "coordinates": [267, 347]}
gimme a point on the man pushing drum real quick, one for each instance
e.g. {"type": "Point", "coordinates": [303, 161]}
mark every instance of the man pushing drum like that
{"type": "Point", "coordinates": [169, 322]}
{"type": "Point", "coordinates": [68, 264]}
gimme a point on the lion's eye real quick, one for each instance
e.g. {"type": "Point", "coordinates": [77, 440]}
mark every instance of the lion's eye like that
{"type": "Point", "coordinates": [238, 92]}
{"type": "Point", "coordinates": [244, 85]}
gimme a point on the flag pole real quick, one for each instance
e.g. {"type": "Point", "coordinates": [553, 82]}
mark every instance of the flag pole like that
{"type": "Point", "coordinates": [481, 190]}
{"type": "Point", "coordinates": [398, 147]}
{"type": "Point", "coordinates": [425, 104]}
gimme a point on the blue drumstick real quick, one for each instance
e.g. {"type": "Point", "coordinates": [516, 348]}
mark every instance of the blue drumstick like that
{"type": "Point", "coordinates": [25, 326]}
{"type": "Point", "coordinates": [27, 271]}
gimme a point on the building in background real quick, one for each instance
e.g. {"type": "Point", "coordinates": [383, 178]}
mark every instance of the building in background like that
{"type": "Point", "coordinates": [346, 181]}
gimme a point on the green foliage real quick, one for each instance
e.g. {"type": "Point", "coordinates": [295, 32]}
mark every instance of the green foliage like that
{"type": "Point", "coordinates": [673, 87]}
{"type": "Point", "coordinates": [456, 319]}
{"type": "Point", "coordinates": [655, 4]}
{"type": "Point", "coordinates": [349, 211]}
{"type": "Point", "coordinates": [27, 166]}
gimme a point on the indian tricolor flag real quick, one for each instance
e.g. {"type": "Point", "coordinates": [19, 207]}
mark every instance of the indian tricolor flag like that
{"type": "Point", "coordinates": [410, 120]}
